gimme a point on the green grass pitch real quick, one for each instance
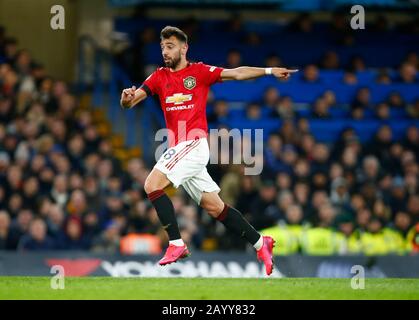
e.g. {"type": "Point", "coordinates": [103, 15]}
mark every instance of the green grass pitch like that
{"type": "Point", "coordinates": [203, 288]}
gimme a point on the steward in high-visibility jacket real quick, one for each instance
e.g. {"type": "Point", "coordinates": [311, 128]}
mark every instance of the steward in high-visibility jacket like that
{"type": "Point", "coordinates": [412, 239]}
{"type": "Point", "coordinates": [396, 241]}
{"type": "Point", "coordinates": [375, 241]}
{"type": "Point", "coordinates": [349, 245]}
{"type": "Point", "coordinates": [287, 237]}
{"type": "Point", "coordinates": [319, 241]}
{"type": "Point", "coordinates": [347, 238]}
{"type": "Point", "coordinates": [374, 244]}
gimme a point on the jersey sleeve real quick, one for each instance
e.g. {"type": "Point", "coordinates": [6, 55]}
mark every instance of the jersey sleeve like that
{"type": "Point", "coordinates": [211, 74]}
{"type": "Point", "coordinates": [150, 85]}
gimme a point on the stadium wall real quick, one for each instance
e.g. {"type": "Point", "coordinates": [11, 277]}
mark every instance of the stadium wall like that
{"type": "Point", "coordinates": [217, 265]}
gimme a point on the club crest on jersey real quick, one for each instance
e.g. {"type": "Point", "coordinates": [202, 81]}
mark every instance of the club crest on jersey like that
{"type": "Point", "coordinates": [189, 82]}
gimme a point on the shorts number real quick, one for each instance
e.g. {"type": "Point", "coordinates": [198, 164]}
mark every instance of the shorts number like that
{"type": "Point", "coordinates": [169, 154]}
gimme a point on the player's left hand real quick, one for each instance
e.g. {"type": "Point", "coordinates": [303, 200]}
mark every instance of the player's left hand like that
{"type": "Point", "coordinates": [283, 73]}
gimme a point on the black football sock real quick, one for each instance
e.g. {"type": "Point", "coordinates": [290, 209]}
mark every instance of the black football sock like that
{"type": "Point", "coordinates": [234, 220]}
{"type": "Point", "coordinates": [166, 213]}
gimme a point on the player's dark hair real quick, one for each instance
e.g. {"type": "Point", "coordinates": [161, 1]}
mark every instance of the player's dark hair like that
{"type": "Point", "coordinates": [169, 31]}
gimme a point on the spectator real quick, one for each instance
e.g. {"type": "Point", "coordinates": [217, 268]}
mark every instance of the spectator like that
{"type": "Point", "coordinates": [357, 64]}
{"type": "Point", "coordinates": [347, 235]}
{"type": "Point", "coordinates": [263, 209]}
{"type": "Point", "coordinates": [5, 237]}
{"type": "Point", "coordinates": [302, 23]}
{"type": "Point", "coordinates": [330, 61]}
{"type": "Point", "coordinates": [301, 193]}
{"type": "Point", "coordinates": [329, 97]}
{"type": "Point", "coordinates": [248, 193]}
{"type": "Point", "coordinates": [37, 239]}
{"type": "Point", "coordinates": [302, 170]}
{"type": "Point", "coordinates": [75, 149]}
{"type": "Point", "coordinates": [321, 155]}
{"type": "Point", "coordinates": [413, 58]}
{"type": "Point", "coordinates": [294, 215]}
{"type": "Point", "coordinates": [234, 59]}
{"type": "Point", "coordinates": [72, 237]}
{"type": "Point", "coordinates": [270, 97]}
{"type": "Point", "coordinates": [321, 109]}
{"type": "Point", "coordinates": [2, 198]}
{"type": "Point", "coordinates": [402, 223]}
{"type": "Point", "coordinates": [77, 205]}
{"type": "Point", "coordinates": [15, 204]}
{"type": "Point", "coordinates": [407, 73]}
{"type": "Point", "coordinates": [362, 99]}
{"type": "Point", "coordinates": [284, 108]}
{"type": "Point", "coordinates": [31, 193]}
{"type": "Point", "coordinates": [253, 111]}
{"type": "Point", "coordinates": [59, 193]}
{"type": "Point", "coordinates": [339, 196]}
{"type": "Point", "coordinates": [413, 109]}
{"type": "Point", "coordinates": [288, 133]}
{"type": "Point", "coordinates": [398, 196]}
{"type": "Point", "coordinates": [381, 143]}
{"type": "Point", "coordinates": [108, 241]}
{"type": "Point", "coordinates": [350, 78]}
{"type": "Point", "coordinates": [395, 100]}
{"type": "Point", "coordinates": [383, 77]}
{"type": "Point", "coordinates": [373, 241]}
{"type": "Point", "coordinates": [412, 207]}
{"type": "Point", "coordinates": [219, 113]}
{"type": "Point", "coordinates": [370, 170]}
{"type": "Point", "coordinates": [273, 61]}
{"type": "Point", "coordinates": [363, 217]}
{"type": "Point", "coordinates": [383, 111]}
{"type": "Point", "coordinates": [252, 39]}
{"type": "Point", "coordinates": [311, 74]}
{"type": "Point", "coordinates": [55, 221]}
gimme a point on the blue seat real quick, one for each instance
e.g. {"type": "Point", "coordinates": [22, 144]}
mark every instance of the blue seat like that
{"type": "Point", "coordinates": [308, 93]}
{"type": "Point", "coordinates": [397, 113]}
{"type": "Point", "coordinates": [331, 76]}
{"type": "Point", "coordinates": [338, 112]}
{"type": "Point", "coordinates": [329, 130]}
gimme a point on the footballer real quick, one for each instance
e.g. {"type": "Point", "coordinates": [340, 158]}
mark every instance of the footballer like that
{"type": "Point", "coordinates": [182, 88]}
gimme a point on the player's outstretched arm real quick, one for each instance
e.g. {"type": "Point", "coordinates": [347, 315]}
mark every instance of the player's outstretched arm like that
{"type": "Point", "coordinates": [247, 73]}
{"type": "Point", "coordinates": [131, 96]}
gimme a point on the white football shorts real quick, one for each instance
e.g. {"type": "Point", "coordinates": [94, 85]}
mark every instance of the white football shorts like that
{"type": "Point", "coordinates": [185, 164]}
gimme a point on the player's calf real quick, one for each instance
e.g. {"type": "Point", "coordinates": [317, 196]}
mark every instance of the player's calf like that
{"type": "Point", "coordinates": [154, 185]}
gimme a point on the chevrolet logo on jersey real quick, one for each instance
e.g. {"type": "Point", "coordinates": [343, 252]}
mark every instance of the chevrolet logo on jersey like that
{"type": "Point", "coordinates": [179, 98]}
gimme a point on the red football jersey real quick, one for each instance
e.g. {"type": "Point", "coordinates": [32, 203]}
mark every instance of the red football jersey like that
{"type": "Point", "coordinates": [183, 98]}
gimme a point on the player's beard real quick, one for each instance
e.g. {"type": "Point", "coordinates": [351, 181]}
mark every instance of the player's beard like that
{"type": "Point", "coordinates": [172, 63]}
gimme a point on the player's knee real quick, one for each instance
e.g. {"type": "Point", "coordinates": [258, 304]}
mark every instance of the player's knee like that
{"type": "Point", "coordinates": [150, 186]}
{"type": "Point", "coordinates": [213, 209]}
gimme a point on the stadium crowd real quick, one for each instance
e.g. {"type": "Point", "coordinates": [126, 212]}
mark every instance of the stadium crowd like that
{"type": "Point", "coordinates": [62, 188]}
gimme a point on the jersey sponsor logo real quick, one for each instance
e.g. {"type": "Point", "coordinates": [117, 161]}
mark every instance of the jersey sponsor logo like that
{"type": "Point", "coordinates": [189, 82]}
{"type": "Point", "coordinates": [179, 98]}
{"type": "Point", "coordinates": [183, 107]}
{"type": "Point", "coordinates": [212, 69]}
